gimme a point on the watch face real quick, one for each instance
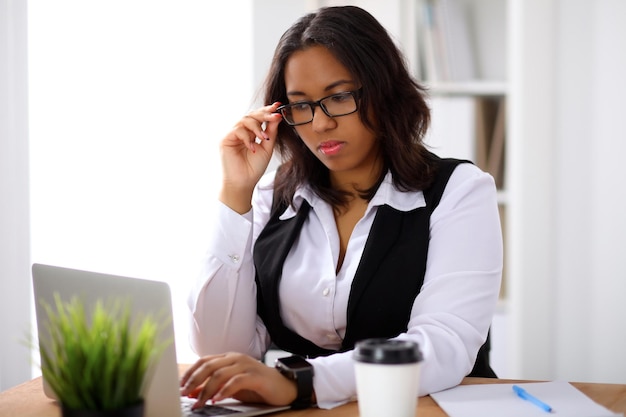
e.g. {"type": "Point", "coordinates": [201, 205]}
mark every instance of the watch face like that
{"type": "Point", "coordinates": [294, 363]}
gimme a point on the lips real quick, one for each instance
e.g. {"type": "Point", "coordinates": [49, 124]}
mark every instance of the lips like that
{"type": "Point", "coordinates": [331, 147]}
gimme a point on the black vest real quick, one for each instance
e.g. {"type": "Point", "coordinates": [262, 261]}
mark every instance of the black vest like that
{"type": "Point", "coordinates": [388, 278]}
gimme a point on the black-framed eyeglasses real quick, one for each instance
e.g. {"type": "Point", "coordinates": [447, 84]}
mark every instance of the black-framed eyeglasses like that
{"type": "Point", "coordinates": [335, 105]}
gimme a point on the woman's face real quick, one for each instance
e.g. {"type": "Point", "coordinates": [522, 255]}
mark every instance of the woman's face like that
{"type": "Point", "coordinates": [347, 147]}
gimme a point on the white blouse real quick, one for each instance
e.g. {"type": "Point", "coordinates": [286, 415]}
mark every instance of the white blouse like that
{"type": "Point", "coordinates": [450, 316]}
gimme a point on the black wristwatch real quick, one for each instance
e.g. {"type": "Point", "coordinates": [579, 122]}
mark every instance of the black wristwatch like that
{"type": "Point", "coordinates": [299, 370]}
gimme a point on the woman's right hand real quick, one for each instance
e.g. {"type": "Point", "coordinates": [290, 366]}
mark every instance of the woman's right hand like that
{"type": "Point", "coordinates": [239, 376]}
{"type": "Point", "coordinates": [245, 158]}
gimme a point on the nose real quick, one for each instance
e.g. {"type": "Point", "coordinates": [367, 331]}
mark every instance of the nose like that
{"type": "Point", "coordinates": [321, 121]}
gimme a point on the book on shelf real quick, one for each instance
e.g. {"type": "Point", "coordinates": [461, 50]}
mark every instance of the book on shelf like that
{"type": "Point", "coordinates": [490, 128]}
{"type": "Point", "coordinates": [503, 222]}
{"type": "Point", "coordinates": [495, 158]}
{"type": "Point", "coordinates": [470, 127]}
{"type": "Point", "coordinates": [446, 51]}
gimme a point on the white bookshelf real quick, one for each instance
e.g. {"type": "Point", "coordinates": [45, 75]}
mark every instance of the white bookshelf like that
{"type": "Point", "coordinates": [487, 25]}
{"type": "Point", "coordinates": [470, 88]}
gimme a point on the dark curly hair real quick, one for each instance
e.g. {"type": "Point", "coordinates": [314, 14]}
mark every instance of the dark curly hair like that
{"type": "Point", "coordinates": [397, 101]}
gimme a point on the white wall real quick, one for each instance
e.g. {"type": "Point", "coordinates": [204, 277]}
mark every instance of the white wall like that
{"type": "Point", "coordinates": [569, 141]}
{"type": "Point", "coordinates": [128, 101]}
{"type": "Point", "coordinates": [608, 334]}
{"type": "Point", "coordinates": [271, 19]}
{"type": "Point", "coordinates": [574, 267]}
{"type": "Point", "coordinates": [14, 210]}
{"type": "Point", "coordinates": [591, 230]}
{"type": "Point", "coordinates": [529, 164]}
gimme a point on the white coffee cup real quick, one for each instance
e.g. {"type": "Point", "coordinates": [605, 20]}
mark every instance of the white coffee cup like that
{"type": "Point", "coordinates": [387, 377]}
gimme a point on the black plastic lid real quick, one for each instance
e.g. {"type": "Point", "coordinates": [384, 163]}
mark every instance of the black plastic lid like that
{"type": "Point", "coordinates": [387, 351]}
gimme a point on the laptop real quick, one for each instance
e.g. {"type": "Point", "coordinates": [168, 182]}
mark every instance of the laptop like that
{"type": "Point", "coordinates": [162, 397]}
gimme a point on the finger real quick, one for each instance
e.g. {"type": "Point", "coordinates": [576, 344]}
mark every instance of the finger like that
{"type": "Point", "coordinates": [242, 135]}
{"type": "Point", "coordinates": [195, 392]}
{"type": "Point", "coordinates": [191, 370]}
{"type": "Point", "coordinates": [271, 128]}
{"type": "Point", "coordinates": [257, 120]}
{"type": "Point", "coordinates": [212, 373]}
{"type": "Point", "coordinates": [258, 383]}
{"type": "Point", "coordinates": [274, 117]}
{"type": "Point", "coordinates": [197, 379]}
{"type": "Point", "coordinates": [235, 384]}
{"type": "Point", "coordinates": [197, 373]}
{"type": "Point", "coordinates": [255, 125]}
{"type": "Point", "coordinates": [213, 385]}
{"type": "Point", "coordinates": [245, 376]}
{"type": "Point", "coordinates": [250, 131]}
{"type": "Point", "coordinates": [264, 113]}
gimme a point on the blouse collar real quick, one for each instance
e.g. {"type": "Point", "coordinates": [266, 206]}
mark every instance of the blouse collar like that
{"type": "Point", "coordinates": [387, 194]}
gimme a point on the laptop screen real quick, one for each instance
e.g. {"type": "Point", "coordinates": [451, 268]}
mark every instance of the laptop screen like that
{"type": "Point", "coordinates": [162, 397]}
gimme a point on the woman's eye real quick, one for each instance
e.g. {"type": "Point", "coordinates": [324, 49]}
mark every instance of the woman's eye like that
{"type": "Point", "coordinates": [300, 107]}
{"type": "Point", "coordinates": [341, 97]}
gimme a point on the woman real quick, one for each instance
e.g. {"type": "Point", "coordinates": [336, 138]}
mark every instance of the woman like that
{"type": "Point", "coordinates": [361, 232]}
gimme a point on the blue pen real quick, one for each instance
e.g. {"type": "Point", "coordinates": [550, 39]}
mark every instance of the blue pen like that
{"type": "Point", "coordinates": [522, 393]}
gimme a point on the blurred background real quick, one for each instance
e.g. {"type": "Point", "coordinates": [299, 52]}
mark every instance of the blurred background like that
{"type": "Point", "coordinates": [111, 112]}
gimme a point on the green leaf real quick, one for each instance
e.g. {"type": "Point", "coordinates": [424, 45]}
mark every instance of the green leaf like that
{"type": "Point", "coordinates": [99, 359]}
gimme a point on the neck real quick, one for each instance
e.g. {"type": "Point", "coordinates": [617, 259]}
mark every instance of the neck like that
{"type": "Point", "coordinates": [356, 180]}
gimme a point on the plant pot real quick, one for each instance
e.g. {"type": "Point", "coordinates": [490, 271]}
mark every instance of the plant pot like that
{"type": "Point", "coordinates": [136, 410]}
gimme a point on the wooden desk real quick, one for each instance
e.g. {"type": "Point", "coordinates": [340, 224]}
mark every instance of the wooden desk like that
{"type": "Point", "coordinates": [28, 400]}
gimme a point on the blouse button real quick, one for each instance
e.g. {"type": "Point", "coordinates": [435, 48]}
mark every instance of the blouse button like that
{"type": "Point", "coordinates": [234, 258]}
{"type": "Point", "coordinates": [326, 292]}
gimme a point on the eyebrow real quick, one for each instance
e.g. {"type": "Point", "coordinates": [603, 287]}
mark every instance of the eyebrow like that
{"type": "Point", "coordinates": [328, 87]}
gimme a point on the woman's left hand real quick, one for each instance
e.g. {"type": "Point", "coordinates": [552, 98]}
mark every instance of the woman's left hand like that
{"type": "Point", "coordinates": [239, 376]}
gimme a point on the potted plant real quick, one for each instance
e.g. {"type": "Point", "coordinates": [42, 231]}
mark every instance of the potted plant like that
{"type": "Point", "coordinates": [98, 362]}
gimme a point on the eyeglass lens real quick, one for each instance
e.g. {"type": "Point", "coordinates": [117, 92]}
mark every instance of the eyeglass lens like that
{"type": "Point", "coordinates": [340, 104]}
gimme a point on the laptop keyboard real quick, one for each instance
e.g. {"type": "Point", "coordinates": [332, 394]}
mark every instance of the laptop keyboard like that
{"type": "Point", "coordinates": [215, 410]}
{"type": "Point", "coordinates": [209, 410]}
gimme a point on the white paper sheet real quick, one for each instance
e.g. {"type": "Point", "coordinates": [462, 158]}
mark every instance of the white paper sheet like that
{"type": "Point", "coordinates": [499, 400]}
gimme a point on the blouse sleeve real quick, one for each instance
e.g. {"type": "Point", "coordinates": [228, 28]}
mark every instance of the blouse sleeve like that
{"type": "Point", "coordinates": [452, 313]}
{"type": "Point", "coordinates": [222, 300]}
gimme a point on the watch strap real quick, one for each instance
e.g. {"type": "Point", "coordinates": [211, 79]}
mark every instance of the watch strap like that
{"type": "Point", "coordinates": [304, 382]}
{"type": "Point", "coordinates": [302, 375]}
